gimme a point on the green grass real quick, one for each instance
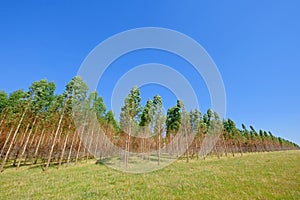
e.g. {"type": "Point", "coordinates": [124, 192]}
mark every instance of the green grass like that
{"type": "Point", "coordinates": [273, 175]}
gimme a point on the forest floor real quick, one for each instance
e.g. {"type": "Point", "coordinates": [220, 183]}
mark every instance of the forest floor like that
{"type": "Point", "coordinates": [274, 175]}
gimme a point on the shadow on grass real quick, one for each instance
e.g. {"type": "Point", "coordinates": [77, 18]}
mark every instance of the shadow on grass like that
{"type": "Point", "coordinates": [107, 161]}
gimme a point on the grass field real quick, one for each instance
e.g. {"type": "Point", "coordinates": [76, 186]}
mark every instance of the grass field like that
{"type": "Point", "coordinates": [273, 175]}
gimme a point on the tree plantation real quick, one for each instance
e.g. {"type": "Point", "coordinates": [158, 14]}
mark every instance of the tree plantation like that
{"type": "Point", "coordinates": [41, 128]}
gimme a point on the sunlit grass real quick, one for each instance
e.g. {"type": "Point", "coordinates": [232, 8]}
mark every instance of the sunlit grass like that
{"type": "Point", "coordinates": [273, 175]}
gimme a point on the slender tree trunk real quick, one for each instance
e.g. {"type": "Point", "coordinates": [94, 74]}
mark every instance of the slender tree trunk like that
{"type": "Point", "coordinates": [96, 147]}
{"type": "Point", "coordinates": [21, 144]}
{"type": "Point", "coordinates": [80, 138]}
{"type": "Point", "coordinates": [38, 146]}
{"type": "Point", "coordinates": [13, 139]}
{"type": "Point", "coordinates": [187, 148]}
{"type": "Point", "coordinates": [128, 147]}
{"type": "Point", "coordinates": [26, 142]}
{"type": "Point", "coordinates": [54, 139]}
{"type": "Point", "coordinates": [2, 120]}
{"type": "Point", "coordinates": [158, 152]}
{"type": "Point", "coordinates": [241, 150]}
{"type": "Point", "coordinates": [71, 147]}
{"type": "Point", "coordinates": [4, 116]}
{"type": "Point", "coordinates": [149, 141]}
{"type": "Point", "coordinates": [177, 145]}
{"type": "Point", "coordinates": [91, 140]}
{"type": "Point", "coordinates": [64, 147]}
{"type": "Point", "coordinates": [6, 141]}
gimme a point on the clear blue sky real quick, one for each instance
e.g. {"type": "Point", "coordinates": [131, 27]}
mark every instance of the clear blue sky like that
{"type": "Point", "coordinates": [255, 45]}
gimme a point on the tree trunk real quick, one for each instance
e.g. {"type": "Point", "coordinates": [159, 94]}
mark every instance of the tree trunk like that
{"type": "Point", "coordinates": [25, 145]}
{"type": "Point", "coordinates": [38, 146]}
{"type": "Point", "coordinates": [6, 141]}
{"type": "Point", "coordinates": [13, 139]}
{"type": "Point", "coordinates": [158, 152]}
{"type": "Point", "coordinates": [128, 147]}
{"type": "Point", "coordinates": [21, 144]}
{"type": "Point", "coordinates": [64, 147]}
{"type": "Point", "coordinates": [71, 147]}
{"type": "Point", "coordinates": [97, 141]}
{"type": "Point", "coordinates": [187, 148]}
{"type": "Point", "coordinates": [80, 138]}
{"type": "Point", "coordinates": [91, 140]}
{"type": "Point", "coordinates": [4, 116]}
{"type": "Point", "coordinates": [54, 139]}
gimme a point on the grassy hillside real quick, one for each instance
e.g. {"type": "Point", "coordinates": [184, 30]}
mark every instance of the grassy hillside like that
{"type": "Point", "coordinates": [273, 175]}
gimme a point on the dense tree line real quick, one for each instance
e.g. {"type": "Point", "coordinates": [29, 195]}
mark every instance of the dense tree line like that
{"type": "Point", "coordinates": [39, 127]}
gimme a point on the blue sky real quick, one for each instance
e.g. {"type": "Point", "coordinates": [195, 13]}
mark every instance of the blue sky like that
{"type": "Point", "coordinates": [255, 45]}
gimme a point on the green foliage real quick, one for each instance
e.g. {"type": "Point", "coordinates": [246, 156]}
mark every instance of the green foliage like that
{"type": "Point", "coordinates": [97, 104]}
{"type": "Point", "coordinates": [245, 132]}
{"type": "Point", "coordinates": [147, 114]}
{"type": "Point", "coordinates": [3, 101]}
{"type": "Point", "coordinates": [195, 119]}
{"type": "Point", "coordinates": [158, 117]}
{"type": "Point", "coordinates": [129, 115]}
{"type": "Point", "coordinates": [109, 116]}
{"type": "Point", "coordinates": [76, 93]}
{"type": "Point", "coordinates": [42, 95]}
{"type": "Point", "coordinates": [17, 101]}
{"type": "Point", "coordinates": [174, 118]}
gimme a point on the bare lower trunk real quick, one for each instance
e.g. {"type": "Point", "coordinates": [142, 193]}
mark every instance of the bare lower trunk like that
{"type": "Point", "coordinates": [6, 141]}
{"type": "Point", "coordinates": [64, 147]}
{"type": "Point", "coordinates": [80, 137]}
{"type": "Point", "coordinates": [128, 147]}
{"type": "Point", "coordinates": [54, 140]}
{"type": "Point", "coordinates": [13, 139]}
{"type": "Point", "coordinates": [71, 147]}
{"type": "Point", "coordinates": [96, 147]}
{"type": "Point", "coordinates": [25, 145]}
{"type": "Point", "coordinates": [38, 146]}
{"type": "Point", "coordinates": [241, 150]}
{"type": "Point", "coordinates": [158, 152]}
{"type": "Point", "coordinates": [187, 148]}
{"type": "Point", "coordinates": [21, 144]}
{"type": "Point", "coordinates": [90, 142]}
{"type": "Point", "coordinates": [2, 120]}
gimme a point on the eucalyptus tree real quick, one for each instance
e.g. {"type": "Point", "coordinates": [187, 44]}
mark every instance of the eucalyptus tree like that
{"type": "Point", "coordinates": [254, 138]}
{"type": "Point", "coordinates": [99, 107]}
{"type": "Point", "coordinates": [266, 141]}
{"type": "Point", "coordinates": [112, 133]}
{"type": "Point", "coordinates": [272, 140]}
{"type": "Point", "coordinates": [261, 140]}
{"type": "Point", "coordinates": [234, 135]}
{"type": "Point", "coordinates": [129, 117]}
{"type": "Point", "coordinates": [186, 129]}
{"type": "Point", "coordinates": [173, 121]}
{"type": "Point", "coordinates": [147, 114]}
{"type": "Point", "coordinates": [110, 118]}
{"type": "Point", "coordinates": [197, 127]}
{"type": "Point", "coordinates": [18, 102]}
{"type": "Point", "coordinates": [195, 118]}
{"type": "Point", "coordinates": [59, 107]}
{"type": "Point", "coordinates": [158, 120]}
{"type": "Point", "coordinates": [145, 121]}
{"type": "Point", "coordinates": [73, 97]}
{"type": "Point", "coordinates": [96, 111]}
{"type": "Point", "coordinates": [246, 134]}
{"type": "Point", "coordinates": [42, 95]}
{"type": "Point", "coordinates": [76, 94]}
